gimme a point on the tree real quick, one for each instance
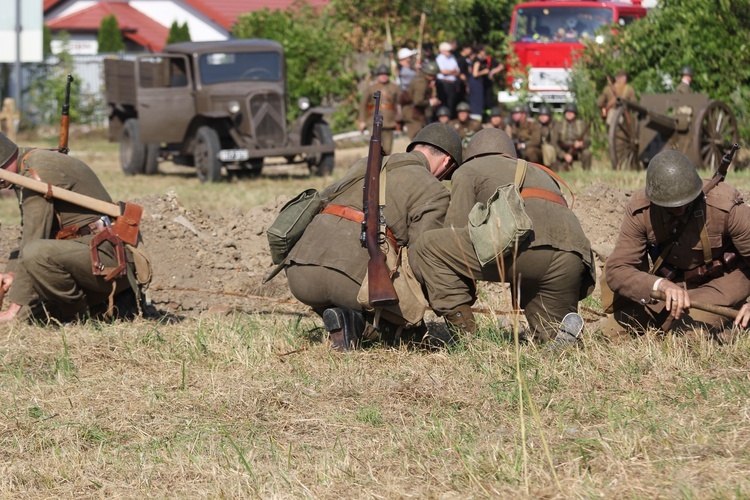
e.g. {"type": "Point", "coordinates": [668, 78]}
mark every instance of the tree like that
{"type": "Point", "coordinates": [712, 36]}
{"type": "Point", "coordinates": [110, 37]}
{"type": "Point", "coordinates": [178, 33]}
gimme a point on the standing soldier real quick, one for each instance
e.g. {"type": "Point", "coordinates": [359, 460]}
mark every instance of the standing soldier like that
{"type": "Point", "coordinates": [686, 79]}
{"type": "Point", "coordinates": [464, 124]}
{"type": "Point", "coordinates": [573, 140]}
{"type": "Point", "coordinates": [418, 101]}
{"type": "Point", "coordinates": [698, 243]}
{"type": "Point", "coordinates": [549, 136]}
{"type": "Point", "coordinates": [526, 134]}
{"type": "Point", "coordinates": [328, 264]}
{"type": "Point", "coordinates": [53, 270]}
{"type": "Point", "coordinates": [389, 107]}
{"type": "Point", "coordinates": [607, 101]}
{"type": "Point", "coordinates": [554, 268]}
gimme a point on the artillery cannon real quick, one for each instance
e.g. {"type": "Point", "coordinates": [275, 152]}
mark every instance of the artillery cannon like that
{"type": "Point", "coordinates": [693, 124]}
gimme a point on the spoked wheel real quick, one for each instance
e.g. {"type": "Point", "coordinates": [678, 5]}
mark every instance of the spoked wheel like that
{"type": "Point", "coordinates": [715, 132]}
{"type": "Point", "coordinates": [206, 149]}
{"type": "Point", "coordinates": [624, 140]}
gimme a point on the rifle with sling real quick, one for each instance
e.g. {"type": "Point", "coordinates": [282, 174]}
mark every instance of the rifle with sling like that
{"type": "Point", "coordinates": [381, 290]}
{"type": "Point", "coordinates": [125, 229]}
{"type": "Point", "coordinates": [62, 146]}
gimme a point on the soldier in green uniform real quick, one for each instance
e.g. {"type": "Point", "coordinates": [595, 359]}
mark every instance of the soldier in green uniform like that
{"type": "Point", "coordinates": [464, 124]}
{"type": "Point", "coordinates": [548, 132]}
{"type": "Point", "coordinates": [328, 264]}
{"type": "Point", "coordinates": [496, 119]}
{"type": "Point", "coordinates": [686, 78]}
{"type": "Point", "coordinates": [698, 244]}
{"type": "Point", "coordinates": [607, 101]}
{"type": "Point", "coordinates": [526, 134]}
{"type": "Point", "coordinates": [390, 95]}
{"type": "Point", "coordinates": [50, 272]}
{"type": "Point", "coordinates": [419, 99]}
{"type": "Point", "coordinates": [554, 265]}
{"type": "Point", "coordinates": [443, 115]}
{"type": "Point", "coordinates": [573, 141]}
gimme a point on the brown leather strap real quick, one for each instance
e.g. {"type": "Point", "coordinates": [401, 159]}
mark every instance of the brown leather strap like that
{"type": "Point", "coordinates": [544, 195]}
{"type": "Point", "coordinates": [355, 215]}
{"type": "Point", "coordinates": [73, 231]}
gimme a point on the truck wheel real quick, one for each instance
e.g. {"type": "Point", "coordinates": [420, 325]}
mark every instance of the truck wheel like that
{"type": "Point", "coordinates": [255, 166]}
{"type": "Point", "coordinates": [132, 151]}
{"type": "Point", "coordinates": [206, 151]}
{"type": "Point", "coordinates": [151, 166]}
{"type": "Point", "coordinates": [321, 163]}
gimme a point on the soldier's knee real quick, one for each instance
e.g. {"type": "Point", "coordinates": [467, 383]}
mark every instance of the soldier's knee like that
{"type": "Point", "coordinates": [35, 257]}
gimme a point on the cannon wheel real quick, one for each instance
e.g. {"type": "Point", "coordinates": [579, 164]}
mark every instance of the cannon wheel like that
{"type": "Point", "coordinates": [715, 132]}
{"type": "Point", "coordinates": [623, 140]}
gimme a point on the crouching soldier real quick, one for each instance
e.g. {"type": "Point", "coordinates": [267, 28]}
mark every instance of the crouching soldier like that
{"type": "Point", "coordinates": [57, 271]}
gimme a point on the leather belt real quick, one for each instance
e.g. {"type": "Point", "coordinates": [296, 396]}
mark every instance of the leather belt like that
{"type": "Point", "coordinates": [74, 231]}
{"type": "Point", "coordinates": [355, 215]}
{"type": "Point", "coordinates": [544, 195]}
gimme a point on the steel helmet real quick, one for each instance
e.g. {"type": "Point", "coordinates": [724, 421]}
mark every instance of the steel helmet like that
{"type": "Point", "coordinates": [443, 137]}
{"type": "Point", "coordinates": [518, 108]}
{"type": "Point", "coordinates": [686, 70]}
{"type": "Point", "coordinates": [495, 111]}
{"type": "Point", "coordinates": [463, 106]}
{"type": "Point", "coordinates": [571, 107]}
{"type": "Point", "coordinates": [490, 141]}
{"type": "Point", "coordinates": [442, 111]}
{"type": "Point", "coordinates": [430, 68]}
{"type": "Point", "coordinates": [545, 110]}
{"type": "Point", "coordinates": [8, 148]}
{"type": "Point", "coordinates": [671, 180]}
{"type": "Point", "coordinates": [383, 69]}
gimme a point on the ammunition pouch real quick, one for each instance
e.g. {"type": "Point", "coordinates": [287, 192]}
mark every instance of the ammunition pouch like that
{"type": "Point", "coordinates": [702, 274]}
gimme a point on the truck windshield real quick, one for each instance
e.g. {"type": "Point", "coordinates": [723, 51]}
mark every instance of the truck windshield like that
{"type": "Point", "coordinates": [559, 24]}
{"type": "Point", "coordinates": [222, 67]}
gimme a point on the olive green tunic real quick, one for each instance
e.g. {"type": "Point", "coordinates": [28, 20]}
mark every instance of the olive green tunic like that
{"type": "Point", "coordinates": [390, 95]}
{"type": "Point", "coordinates": [555, 265]}
{"type": "Point", "coordinates": [328, 263]}
{"type": "Point", "coordinates": [416, 104]}
{"type": "Point", "coordinates": [58, 271]}
{"type": "Point", "coordinates": [527, 136]}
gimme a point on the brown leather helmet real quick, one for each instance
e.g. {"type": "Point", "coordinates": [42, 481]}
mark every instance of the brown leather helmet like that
{"type": "Point", "coordinates": [490, 141]}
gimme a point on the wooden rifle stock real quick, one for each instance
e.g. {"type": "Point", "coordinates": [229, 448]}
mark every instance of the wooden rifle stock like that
{"type": "Point", "coordinates": [65, 119]}
{"type": "Point", "coordinates": [381, 291]}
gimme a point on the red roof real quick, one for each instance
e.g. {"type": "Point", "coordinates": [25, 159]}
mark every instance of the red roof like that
{"type": "Point", "coordinates": [48, 4]}
{"type": "Point", "coordinates": [134, 25]}
{"type": "Point", "coordinates": [225, 12]}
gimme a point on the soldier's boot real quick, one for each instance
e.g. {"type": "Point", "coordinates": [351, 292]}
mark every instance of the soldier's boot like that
{"type": "Point", "coordinates": [461, 320]}
{"type": "Point", "coordinates": [569, 330]}
{"type": "Point", "coordinates": [344, 326]}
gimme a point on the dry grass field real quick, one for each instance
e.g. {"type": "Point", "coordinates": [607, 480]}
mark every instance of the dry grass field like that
{"type": "Point", "coordinates": [252, 403]}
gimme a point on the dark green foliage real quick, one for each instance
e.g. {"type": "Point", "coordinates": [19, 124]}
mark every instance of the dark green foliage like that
{"type": "Point", "coordinates": [110, 37]}
{"type": "Point", "coordinates": [178, 33]}
{"type": "Point", "coordinates": [712, 36]}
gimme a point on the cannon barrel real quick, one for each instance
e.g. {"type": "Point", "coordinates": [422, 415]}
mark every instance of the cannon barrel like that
{"type": "Point", "coordinates": [666, 121]}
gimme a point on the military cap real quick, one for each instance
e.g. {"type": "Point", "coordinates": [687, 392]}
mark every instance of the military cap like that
{"type": "Point", "coordinates": [8, 148]}
{"type": "Point", "coordinates": [495, 111]}
{"type": "Point", "coordinates": [443, 111]}
{"type": "Point", "coordinates": [463, 106]}
{"type": "Point", "coordinates": [571, 106]}
{"type": "Point", "coordinates": [430, 68]}
{"type": "Point", "coordinates": [686, 71]}
{"type": "Point", "coordinates": [382, 69]}
{"type": "Point", "coordinates": [443, 137]}
{"type": "Point", "coordinates": [490, 141]}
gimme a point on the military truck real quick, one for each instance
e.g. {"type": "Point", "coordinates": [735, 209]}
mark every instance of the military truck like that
{"type": "Point", "coordinates": [211, 105]}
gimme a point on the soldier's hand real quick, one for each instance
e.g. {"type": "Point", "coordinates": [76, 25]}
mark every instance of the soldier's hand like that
{"type": "Point", "coordinates": [6, 279]}
{"type": "Point", "coordinates": [743, 317]}
{"type": "Point", "coordinates": [10, 313]}
{"type": "Point", "coordinates": [568, 158]}
{"type": "Point", "coordinates": [362, 126]}
{"type": "Point", "coordinates": [675, 297]}
{"type": "Point", "coordinates": [578, 144]}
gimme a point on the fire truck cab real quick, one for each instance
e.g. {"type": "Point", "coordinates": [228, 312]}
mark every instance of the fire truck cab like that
{"type": "Point", "coordinates": [546, 36]}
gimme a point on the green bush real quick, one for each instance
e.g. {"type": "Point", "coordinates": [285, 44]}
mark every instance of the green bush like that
{"type": "Point", "coordinates": [110, 37]}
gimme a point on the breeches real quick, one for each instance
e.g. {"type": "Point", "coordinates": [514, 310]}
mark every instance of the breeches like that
{"type": "Point", "coordinates": [550, 279]}
{"type": "Point", "coordinates": [321, 287]}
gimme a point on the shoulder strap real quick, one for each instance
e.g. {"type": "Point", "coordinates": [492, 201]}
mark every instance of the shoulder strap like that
{"type": "Point", "coordinates": [521, 168]}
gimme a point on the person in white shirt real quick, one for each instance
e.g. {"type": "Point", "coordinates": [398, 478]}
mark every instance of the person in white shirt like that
{"type": "Point", "coordinates": [447, 79]}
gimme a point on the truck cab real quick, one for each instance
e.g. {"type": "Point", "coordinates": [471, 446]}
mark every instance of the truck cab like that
{"type": "Point", "coordinates": [211, 105]}
{"type": "Point", "coordinates": [546, 36]}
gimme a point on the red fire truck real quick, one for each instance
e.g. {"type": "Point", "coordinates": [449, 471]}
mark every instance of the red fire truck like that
{"type": "Point", "coordinates": [545, 37]}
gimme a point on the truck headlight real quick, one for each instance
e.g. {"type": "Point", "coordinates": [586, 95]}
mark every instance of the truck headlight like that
{"type": "Point", "coordinates": [234, 107]}
{"type": "Point", "coordinates": [518, 83]}
{"type": "Point", "coordinates": [303, 103]}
